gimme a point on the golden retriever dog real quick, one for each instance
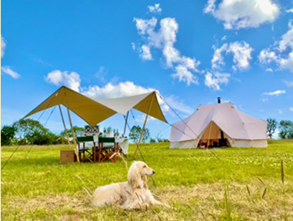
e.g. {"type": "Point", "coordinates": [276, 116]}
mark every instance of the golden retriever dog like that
{"type": "Point", "coordinates": [133, 194]}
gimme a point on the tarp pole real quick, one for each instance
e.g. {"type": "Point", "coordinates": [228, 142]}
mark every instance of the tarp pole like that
{"type": "Point", "coordinates": [64, 125]}
{"type": "Point", "coordinates": [143, 128]}
{"type": "Point", "coordinates": [126, 119]}
{"type": "Point", "coordinates": [72, 131]}
{"type": "Point", "coordinates": [73, 135]}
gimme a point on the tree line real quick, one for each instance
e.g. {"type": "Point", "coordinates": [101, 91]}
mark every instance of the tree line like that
{"type": "Point", "coordinates": [28, 132]}
{"type": "Point", "coordinates": [285, 128]}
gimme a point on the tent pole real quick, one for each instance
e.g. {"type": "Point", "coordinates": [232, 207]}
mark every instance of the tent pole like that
{"type": "Point", "coordinates": [64, 125]}
{"type": "Point", "coordinates": [125, 124]}
{"type": "Point", "coordinates": [209, 142]}
{"type": "Point", "coordinates": [73, 135]}
{"type": "Point", "coordinates": [143, 128]}
{"type": "Point", "coordinates": [72, 131]}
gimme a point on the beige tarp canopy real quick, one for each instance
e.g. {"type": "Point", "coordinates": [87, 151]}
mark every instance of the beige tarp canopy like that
{"type": "Point", "coordinates": [94, 111]}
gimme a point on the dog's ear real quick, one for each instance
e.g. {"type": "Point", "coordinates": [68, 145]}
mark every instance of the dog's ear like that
{"type": "Point", "coordinates": [133, 176]}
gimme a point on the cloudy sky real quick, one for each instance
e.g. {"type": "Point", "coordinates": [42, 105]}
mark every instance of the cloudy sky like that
{"type": "Point", "coordinates": [191, 52]}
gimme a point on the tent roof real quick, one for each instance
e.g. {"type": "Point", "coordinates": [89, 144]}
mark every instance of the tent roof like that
{"type": "Point", "coordinates": [94, 111]}
{"type": "Point", "coordinates": [233, 122]}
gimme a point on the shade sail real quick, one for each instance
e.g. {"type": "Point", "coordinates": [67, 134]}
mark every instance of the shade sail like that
{"type": "Point", "coordinates": [89, 110]}
{"type": "Point", "coordinates": [139, 102]}
{"type": "Point", "coordinates": [93, 111]}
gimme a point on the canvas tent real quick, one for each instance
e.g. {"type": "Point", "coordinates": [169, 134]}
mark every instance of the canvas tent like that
{"type": "Point", "coordinates": [219, 121]}
{"type": "Point", "coordinates": [94, 111]}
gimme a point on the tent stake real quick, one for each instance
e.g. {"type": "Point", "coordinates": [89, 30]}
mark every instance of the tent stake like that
{"type": "Point", "coordinates": [64, 125]}
{"type": "Point", "coordinates": [143, 128]}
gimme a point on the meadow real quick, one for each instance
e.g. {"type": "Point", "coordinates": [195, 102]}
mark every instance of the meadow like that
{"type": "Point", "coordinates": [199, 184]}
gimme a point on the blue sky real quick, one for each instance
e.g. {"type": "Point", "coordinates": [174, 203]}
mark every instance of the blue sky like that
{"type": "Point", "coordinates": [191, 52]}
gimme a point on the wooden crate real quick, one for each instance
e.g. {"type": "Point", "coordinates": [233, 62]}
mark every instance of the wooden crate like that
{"type": "Point", "coordinates": [67, 156]}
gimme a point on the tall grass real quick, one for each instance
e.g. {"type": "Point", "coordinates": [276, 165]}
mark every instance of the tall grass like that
{"type": "Point", "coordinates": [241, 184]}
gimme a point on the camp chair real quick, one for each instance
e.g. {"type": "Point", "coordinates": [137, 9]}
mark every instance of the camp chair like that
{"type": "Point", "coordinates": [109, 151]}
{"type": "Point", "coordinates": [87, 153]}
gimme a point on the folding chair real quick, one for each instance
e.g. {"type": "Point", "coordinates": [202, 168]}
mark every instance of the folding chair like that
{"type": "Point", "coordinates": [109, 151]}
{"type": "Point", "coordinates": [87, 154]}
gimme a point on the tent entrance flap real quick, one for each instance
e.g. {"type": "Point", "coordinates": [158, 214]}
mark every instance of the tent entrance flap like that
{"type": "Point", "coordinates": [213, 135]}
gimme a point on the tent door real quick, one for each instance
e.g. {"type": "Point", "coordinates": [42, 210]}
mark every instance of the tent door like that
{"type": "Point", "coordinates": [213, 136]}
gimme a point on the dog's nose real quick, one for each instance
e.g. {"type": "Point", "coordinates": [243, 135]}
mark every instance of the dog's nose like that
{"type": "Point", "coordinates": [154, 172]}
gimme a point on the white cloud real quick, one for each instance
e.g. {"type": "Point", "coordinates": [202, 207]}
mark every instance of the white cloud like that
{"type": "Point", "coordinates": [155, 9]}
{"type": "Point", "coordinates": [218, 58]}
{"type": "Point", "coordinates": [10, 72]}
{"type": "Point", "coordinates": [287, 63]}
{"type": "Point", "coordinates": [224, 38]}
{"type": "Point", "coordinates": [101, 73]}
{"type": "Point", "coordinates": [280, 111]}
{"type": "Point", "coordinates": [287, 38]}
{"type": "Point", "coordinates": [241, 55]}
{"type": "Point", "coordinates": [269, 70]}
{"type": "Point", "coordinates": [264, 99]}
{"type": "Point", "coordinates": [277, 93]}
{"type": "Point", "coordinates": [71, 80]}
{"type": "Point", "coordinates": [145, 25]}
{"type": "Point", "coordinates": [210, 8]}
{"type": "Point", "coordinates": [141, 118]}
{"type": "Point", "coordinates": [291, 108]}
{"type": "Point", "coordinates": [290, 10]}
{"type": "Point", "coordinates": [214, 82]}
{"type": "Point", "coordinates": [133, 45]}
{"type": "Point", "coordinates": [184, 75]}
{"type": "Point", "coordinates": [289, 83]}
{"type": "Point", "coordinates": [146, 53]}
{"type": "Point", "coordinates": [278, 54]}
{"type": "Point", "coordinates": [3, 46]}
{"type": "Point", "coordinates": [164, 39]}
{"type": "Point", "coordinates": [276, 134]}
{"type": "Point", "coordinates": [122, 89]}
{"type": "Point", "coordinates": [237, 14]}
{"type": "Point", "coordinates": [266, 56]}
{"type": "Point", "coordinates": [177, 104]}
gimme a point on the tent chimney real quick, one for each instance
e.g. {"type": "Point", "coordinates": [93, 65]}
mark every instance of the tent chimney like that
{"type": "Point", "coordinates": [219, 100]}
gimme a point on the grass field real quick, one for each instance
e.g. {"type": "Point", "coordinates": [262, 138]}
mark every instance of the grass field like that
{"type": "Point", "coordinates": [238, 184]}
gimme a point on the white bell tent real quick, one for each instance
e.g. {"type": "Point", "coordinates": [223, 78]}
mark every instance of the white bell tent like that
{"type": "Point", "coordinates": [218, 125]}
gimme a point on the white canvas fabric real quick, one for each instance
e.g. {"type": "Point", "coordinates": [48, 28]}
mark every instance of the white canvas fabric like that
{"type": "Point", "coordinates": [207, 121]}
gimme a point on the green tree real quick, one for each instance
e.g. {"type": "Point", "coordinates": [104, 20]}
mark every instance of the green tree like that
{"type": "Point", "coordinates": [272, 126]}
{"type": "Point", "coordinates": [135, 133]}
{"type": "Point", "coordinates": [26, 128]}
{"type": "Point", "coordinates": [286, 129]}
{"type": "Point", "coordinates": [7, 134]}
{"type": "Point", "coordinates": [109, 130]}
{"type": "Point", "coordinates": [77, 132]}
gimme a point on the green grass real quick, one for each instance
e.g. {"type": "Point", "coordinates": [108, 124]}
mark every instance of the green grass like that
{"type": "Point", "coordinates": [241, 184]}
